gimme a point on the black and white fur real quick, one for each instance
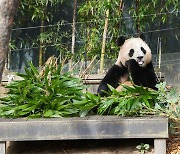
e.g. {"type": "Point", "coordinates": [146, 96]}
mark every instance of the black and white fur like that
{"type": "Point", "coordinates": [134, 58]}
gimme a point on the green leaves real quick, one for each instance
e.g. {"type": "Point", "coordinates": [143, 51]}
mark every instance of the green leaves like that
{"type": "Point", "coordinates": [50, 93]}
{"type": "Point", "coordinates": [143, 148]}
{"type": "Point", "coordinates": [88, 104]}
{"type": "Point", "coordinates": [129, 102]}
{"type": "Point", "coordinates": [168, 101]}
{"type": "Point", "coordinates": [132, 101]}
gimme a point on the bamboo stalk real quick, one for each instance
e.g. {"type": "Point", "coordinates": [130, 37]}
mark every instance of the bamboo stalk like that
{"type": "Point", "coordinates": [104, 41]}
{"type": "Point", "coordinates": [159, 63]}
{"type": "Point", "coordinates": [41, 52]}
{"type": "Point", "coordinates": [73, 34]}
{"type": "Point", "coordinates": [74, 27]}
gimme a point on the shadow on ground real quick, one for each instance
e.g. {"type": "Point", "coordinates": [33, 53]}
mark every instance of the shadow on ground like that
{"type": "Point", "coordinates": [115, 146]}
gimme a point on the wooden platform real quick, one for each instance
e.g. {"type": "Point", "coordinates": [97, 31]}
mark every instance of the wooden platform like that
{"type": "Point", "coordinates": [93, 127]}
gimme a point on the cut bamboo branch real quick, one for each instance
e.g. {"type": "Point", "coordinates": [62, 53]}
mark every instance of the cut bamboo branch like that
{"type": "Point", "coordinates": [88, 67]}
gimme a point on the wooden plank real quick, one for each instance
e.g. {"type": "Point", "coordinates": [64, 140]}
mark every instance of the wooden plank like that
{"type": "Point", "coordinates": [160, 146]}
{"type": "Point", "coordinates": [2, 147]}
{"type": "Point", "coordinates": [91, 128]}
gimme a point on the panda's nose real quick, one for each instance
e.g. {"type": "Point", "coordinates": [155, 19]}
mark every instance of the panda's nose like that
{"type": "Point", "coordinates": [140, 57]}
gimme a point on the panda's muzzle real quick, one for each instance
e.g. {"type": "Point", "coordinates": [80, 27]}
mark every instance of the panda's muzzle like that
{"type": "Point", "coordinates": [139, 60]}
{"type": "Point", "coordinates": [140, 57]}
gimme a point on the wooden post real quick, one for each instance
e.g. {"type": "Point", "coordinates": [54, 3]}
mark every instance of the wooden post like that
{"type": "Point", "coordinates": [2, 147]}
{"type": "Point", "coordinates": [160, 146]}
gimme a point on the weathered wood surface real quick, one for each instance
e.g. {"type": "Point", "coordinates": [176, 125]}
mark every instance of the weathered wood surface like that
{"type": "Point", "coordinates": [93, 127]}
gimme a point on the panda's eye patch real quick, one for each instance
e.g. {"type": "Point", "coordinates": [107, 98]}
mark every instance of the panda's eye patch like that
{"type": "Point", "coordinates": [143, 50]}
{"type": "Point", "coordinates": [131, 52]}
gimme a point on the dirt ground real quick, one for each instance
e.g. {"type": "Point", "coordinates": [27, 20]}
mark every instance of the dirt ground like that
{"type": "Point", "coordinates": [173, 143]}
{"type": "Point", "coordinates": [123, 146]}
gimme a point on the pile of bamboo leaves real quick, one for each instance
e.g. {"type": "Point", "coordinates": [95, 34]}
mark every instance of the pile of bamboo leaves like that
{"type": "Point", "coordinates": [53, 93]}
{"type": "Point", "coordinates": [47, 94]}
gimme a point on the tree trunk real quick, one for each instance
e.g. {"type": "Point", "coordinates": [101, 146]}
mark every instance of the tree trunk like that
{"type": "Point", "coordinates": [7, 12]}
{"type": "Point", "coordinates": [104, 41]}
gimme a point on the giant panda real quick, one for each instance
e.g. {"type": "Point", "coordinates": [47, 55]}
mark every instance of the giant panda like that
{"type": "Point", "coordinates": [134, 61]}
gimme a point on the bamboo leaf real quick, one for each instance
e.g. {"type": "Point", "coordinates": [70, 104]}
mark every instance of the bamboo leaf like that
{"type": "Point", "coordinates": [34, 70]}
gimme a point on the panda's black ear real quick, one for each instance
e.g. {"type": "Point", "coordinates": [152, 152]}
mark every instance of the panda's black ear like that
{"type": "Point", "coordinates": [120, 41]}
{"type": "Point", "coordinates": [142, 36]}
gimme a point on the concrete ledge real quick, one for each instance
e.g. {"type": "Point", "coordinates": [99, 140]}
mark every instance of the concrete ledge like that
{"type": "Point", "coordinates": [93, 127]}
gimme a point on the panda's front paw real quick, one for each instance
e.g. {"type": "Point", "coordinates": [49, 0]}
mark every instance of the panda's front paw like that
{"type": "Point", "coordinates": [131, 62]}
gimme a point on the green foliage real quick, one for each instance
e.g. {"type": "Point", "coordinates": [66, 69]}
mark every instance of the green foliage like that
{"type": "Point", "coordinates": [53, 37]}
{"type": "Point", "coordinates": [143, 148]}
{"type": "Point", "coordinates": [132, 101]}
{"type": "Point", "coordinates": [131, 17]}
{"type": "Point", "coordinates": [146, 12]}
{"type": "Point", "coordinates": [47, 94]}
{"type": "Point", "coordinates": [129, 102]}
{"type": "Point", "coordinates": [52, 93]}
{"type": "Point", "coordinates": [123, 19]}
{"type": "Point", "coordinates": [31, 30]}
{"type": "Point", "coordinates": [168, 101]}
{"type": "Point", "coordinates": [140, 101]}
{"type": "Point", "coordinates": [37, 9]}
{"type": "Point", "coordinates": [88, 104]}
{"type": "Point", "coordinates": [92, 14]}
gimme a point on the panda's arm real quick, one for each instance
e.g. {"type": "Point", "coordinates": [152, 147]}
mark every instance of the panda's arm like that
{"type": "Point", "coordinates": [112, 78]}
{"type": "Point", "coordinates": [152, 79]}
{"type": "Point", "coordinates": [144, 76]}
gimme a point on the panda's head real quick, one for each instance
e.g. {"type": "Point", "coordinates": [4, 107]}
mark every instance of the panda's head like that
{"type": "Point", "coordinates": [134, 48]}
